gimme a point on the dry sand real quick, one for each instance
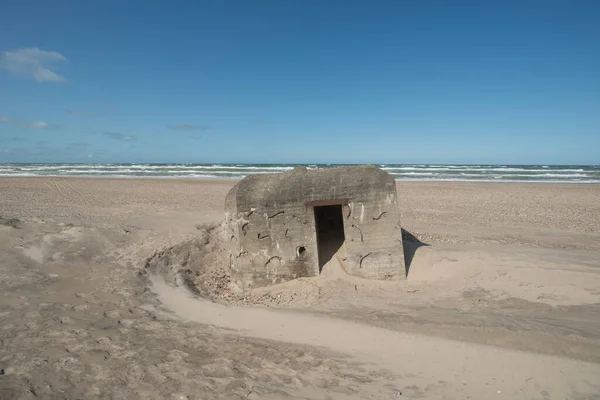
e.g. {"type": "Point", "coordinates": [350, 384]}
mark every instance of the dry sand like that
{"type": "Point", "coordinates": [502, 299]}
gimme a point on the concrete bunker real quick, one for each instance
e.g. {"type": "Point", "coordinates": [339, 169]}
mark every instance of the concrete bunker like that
{"type": "Point", "coordinates": [289, 225]}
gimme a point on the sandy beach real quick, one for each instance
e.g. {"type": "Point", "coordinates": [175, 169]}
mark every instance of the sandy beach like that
{"type": "Point", "coordinates": [502, 299]}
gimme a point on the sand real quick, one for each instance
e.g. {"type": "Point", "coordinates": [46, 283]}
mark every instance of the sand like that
{"type": "Point", "coordinates": [502, 299]}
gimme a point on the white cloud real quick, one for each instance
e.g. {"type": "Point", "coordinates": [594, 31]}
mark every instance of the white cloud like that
{"type": "Point", "coordinates": [28, 124]}
{"type": "Point", "coordinates": [118, 136]}
{"type": "Point", "coordinates": [33, 62]}
{"type": "Point", "coordinates": [36, 124]}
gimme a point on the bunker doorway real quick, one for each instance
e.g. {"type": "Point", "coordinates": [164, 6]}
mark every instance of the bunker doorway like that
{"type": "Point", "coordinates": [329, 224]}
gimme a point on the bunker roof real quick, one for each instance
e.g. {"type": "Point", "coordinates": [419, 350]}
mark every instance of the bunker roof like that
{"type": "Point", "coordinates": [303, 185]}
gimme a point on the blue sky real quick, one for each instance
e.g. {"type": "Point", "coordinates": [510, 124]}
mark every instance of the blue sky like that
{"type": "Point", "coordinates": [300, 81]}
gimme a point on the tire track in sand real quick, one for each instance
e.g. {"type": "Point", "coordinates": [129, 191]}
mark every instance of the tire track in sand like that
{"type": "Point", "coordinates": [465, 369]}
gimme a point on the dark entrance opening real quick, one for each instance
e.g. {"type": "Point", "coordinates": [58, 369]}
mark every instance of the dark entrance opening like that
{"type": "Point", "coordinates": [329, 224]}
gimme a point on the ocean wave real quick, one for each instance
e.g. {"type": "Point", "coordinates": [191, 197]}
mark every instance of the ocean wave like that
{"type": "Point", "coordinates": [547, 176]}
{"type": "Point", "coordinates": [578, 181]}
{"type": "Point", "coordinates": [473, 169]}
{"type": "Point", "coordinates": [401, 172]}
{"type": "Point", "coordinates": [20, 174]}
{"type": "Point", "coordinates": [413, 173]}
{"type": "Point", "coordinates": [214, 167]}
{"type": "Point", "coordinates": [154, 167]}
{"type": "Point", "coordinates": [155, 172]}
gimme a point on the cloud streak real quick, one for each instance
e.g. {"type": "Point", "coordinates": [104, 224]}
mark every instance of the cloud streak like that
{"type": "Point", "coordinates": [189, 127]}
{"type": "Point", "coordinates": [28, 124]}
{"type": "Point", "coordinates": [119, 136]}
{"type": "Point", "coordinates": [33, 63]}
{"type": "Point", "coordinates": [36, 124]}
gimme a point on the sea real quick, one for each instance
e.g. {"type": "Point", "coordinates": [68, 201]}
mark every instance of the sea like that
{"type": "Point", "coordinates": [401, 172]}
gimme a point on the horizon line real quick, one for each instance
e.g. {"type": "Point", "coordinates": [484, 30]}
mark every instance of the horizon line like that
{"type": "Point", "coordinates": [304, 163]}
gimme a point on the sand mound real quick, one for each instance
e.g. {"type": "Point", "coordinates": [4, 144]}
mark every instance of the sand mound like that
{"type": "Point", "coordinates": [201, 266]}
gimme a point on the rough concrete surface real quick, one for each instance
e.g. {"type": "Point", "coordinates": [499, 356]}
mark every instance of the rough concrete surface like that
{"type": "Point", "coordinates": [288, 225]}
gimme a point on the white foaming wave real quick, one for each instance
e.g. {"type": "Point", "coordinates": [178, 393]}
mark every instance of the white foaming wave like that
{"type": "Point", "coordinates": [156, 172]}
{"type": "Point", "coordinates": [163, 171]}
{"type": "Point", "coordinates": [476, 169]}
{"type": "Point", "coordinates": [65, 167]}
{"type": "Point", "coordinates": [390, 169]}
{"type": "Point", "coordinates": [211, 167]}
{"type": "Point", "coordinates": [529, 170]}
{"type": "Point", "coordinates": [549, 175]}
{"type": "Point", "coordinates": [151, 167]}
{"type": "Point", "coordinates": [39, 168]}
{"type": "Point", "coordinates": [499, 176]}
{"type": "Point", "coordinates": [436, 179]}
{"type": "Point", "coordinates": [133, 173]}
{"type": "Point", "coordinates": [87, 171]}
{"type": "Point", "coordinates": [413, 173]}
{"type": "Point", "coordinates": [189, 173]}
{"type": "Point", "coordinates": [19, 174]}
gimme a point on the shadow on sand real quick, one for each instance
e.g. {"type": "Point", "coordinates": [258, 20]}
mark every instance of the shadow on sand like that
{"type": "Point", "coordinates": [411, 244]}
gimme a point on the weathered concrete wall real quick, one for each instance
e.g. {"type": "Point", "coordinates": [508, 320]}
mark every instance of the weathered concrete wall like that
{"type": "Point", "coordinates": [270, 217]}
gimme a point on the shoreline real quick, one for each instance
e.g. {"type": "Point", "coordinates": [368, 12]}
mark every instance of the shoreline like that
{"type": "Point", "coordinates": [234, 179]}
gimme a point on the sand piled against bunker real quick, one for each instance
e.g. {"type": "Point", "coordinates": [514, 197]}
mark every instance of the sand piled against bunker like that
{"type": "Point", "coordinates": [281, 227]}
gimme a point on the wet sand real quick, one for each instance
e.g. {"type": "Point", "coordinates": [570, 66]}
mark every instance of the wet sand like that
{"type": "Point", "coordinates": [502, 300]}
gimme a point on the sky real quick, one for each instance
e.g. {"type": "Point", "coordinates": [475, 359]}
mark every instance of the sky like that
{"type": "Point", "coordinates": [312, 81]}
